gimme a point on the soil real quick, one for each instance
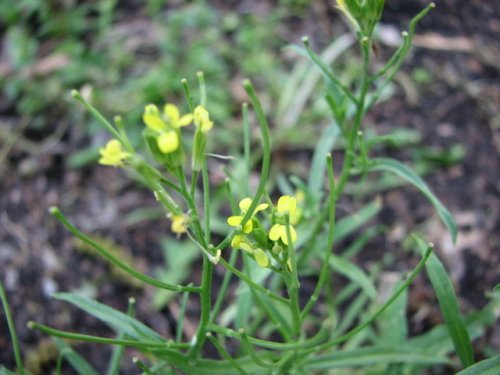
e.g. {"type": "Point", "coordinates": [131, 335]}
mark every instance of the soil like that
{"type": "Point", "coordinates": [457, 45]}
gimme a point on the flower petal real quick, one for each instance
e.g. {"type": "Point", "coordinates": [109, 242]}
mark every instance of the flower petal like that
{"type": "Point", "coordinates": [235, 242]}
{"type": "Point", "coordinates": [152, 119]}
{"type": "Point", "coordinates": [179, 224]}
{"type": "Point", "coordinates": [261, 207]}
{"type": "Point", "coordinates": [113, 154]}
{"type": "Point", "coordinates": [172, 112]}
{"type": "Point", "coordinates": [184, 120]}
{"type": "Point", "coordinates": [247, 228]}
{"type": "Point", "coordinates": [293, 235]}
{"type": "Point", "coordinates": [287, 204]}
{"type": "Point", "coordinates": [168, 142]}
{"type": "Point", "coordinates": [245, 204]}
{"type": "Point", "coordinates": [261, 258]}
{"type": "Point", "coordinates": [234, 221]}
{"type": "Point", "coordinates": [275, 232]}
{"type": "Point", "coordinates": [246, 247]}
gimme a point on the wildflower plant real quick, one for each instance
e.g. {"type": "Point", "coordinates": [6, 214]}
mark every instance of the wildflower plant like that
{"type": "Point", "coordinates": [271, 243]}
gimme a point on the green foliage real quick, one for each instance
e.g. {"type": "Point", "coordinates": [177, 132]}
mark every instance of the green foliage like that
{"type": "Point", "coordinates": [257, 318]}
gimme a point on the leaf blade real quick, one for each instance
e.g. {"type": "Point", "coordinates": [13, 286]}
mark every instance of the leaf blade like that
{"type": "Point", "coordinates": [398, 168]}
{"type": "Point", "coordinates": [448, 305]}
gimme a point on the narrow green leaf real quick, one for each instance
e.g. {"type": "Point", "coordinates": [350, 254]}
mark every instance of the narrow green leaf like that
{"type": "Point", "coordinates": [12, 330]}
{"type": "Point", "coordinates": [354, 273]}
{"type": "Point", "coordinates": [394, 166]}
{"type": "Point", "coordinates": [76, 361]}
{"type": "Point", "coordinates": [117, 320]}
{"type": "Point", "coordinates": [372, 355]}
{"type": "Point", "coordinates": [490, 366]}
{"type": "Point", "coordinates": [352, 222]}
{"type": "Point", "coordinates": [392, 325]}
{"type": "Point", "coordinates": [448, 305]}
{"type": "Point", "coordinates": [318, 165]}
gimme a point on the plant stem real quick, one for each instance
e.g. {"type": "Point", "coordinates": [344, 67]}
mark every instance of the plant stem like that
{"type": "Point", "coordinates": [111, 258]}
{"type": "Point", "coordinates": [328, 251]}
{"type": "Point", "coordinates": [12, 330]}
{"type": "Point", "coordinates": [358, 118]}
{"type": "Point", "coordinates": [293, 284]}
{"type": "Point", "coordinates": [206, 304]}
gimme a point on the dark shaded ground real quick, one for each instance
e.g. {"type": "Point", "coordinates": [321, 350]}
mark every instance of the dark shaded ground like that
{"type": "Point", "coordinates": [457, 44]}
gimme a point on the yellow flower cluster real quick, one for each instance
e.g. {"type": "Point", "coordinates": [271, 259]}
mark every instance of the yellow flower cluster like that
{"type": "Point", "coordinates": [112, 154]}
{"type": "Point", "coordinates": [202, 119]}
{"type": "Point", "coordinates": [166, 126]}
{"type": "Point", "coordinates": [244, 205]}
{"type": "Point", "coordinates": [286, 206]}
{"type": "Point", "coordinates": [180, 224]}
{"type": "Point", "coordinates": [287, 215]}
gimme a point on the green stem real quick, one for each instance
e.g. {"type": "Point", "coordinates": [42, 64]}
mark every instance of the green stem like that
{"type": "Point", "coordinates": [318, 338]}
{"type": "Point", "coordinates": [327, 71]}
{"type": "Point", "coordinates": [276, 317]}
{"type": "Point", "coordinates": [206, 201]}
{"type": "Point", "coordinates": [350, 146]}
{"type": "Point", "coordinates": [142, 366]}
{"type": "Point", "coordinates": [97, 115]}
{"type": "Point", "coordinates": [395, 62]}
{"type": "Point", "coordinates": [116, 356]}
{"type": "Point", "coordinates": [207, 272]}
{"type": "Point", "coordinates": [360, 112]}
{"type": "Point", "coordinates": [324, 273]}
{"type": "Point", "coordinates": [203, 90]}
{"type": "Point", "coordinates": [182, 314]}
{"type": "Point", "coordinates": [192, 206]}
{"type": "Point", "coordinates": [142, 345]}
{"type": "Point", "coordinates": [223, 288]}
{"type": "Point", "coordinates": [293, 284]}
{"type": "Point", "coordinates": [251, 283]}
{"type": "Point", "coordinates": [118, 263]}
{"type": "Point", "coordinates": [266, 153]}
{"type": "Point", "coordinates": [248, 346]}
{"type": "Point", "coordinates": [246, 146]}
{"type": "Point", "coordinates": [12, 330]}
{"type": "Point", "coordinates": [187, 93]}
{"type": "Point", "coordinates": [224, 354]}
{"type": "Point", "coordinates": [206, 304]}
{"type": "Point", "coordinates": [389, 302]}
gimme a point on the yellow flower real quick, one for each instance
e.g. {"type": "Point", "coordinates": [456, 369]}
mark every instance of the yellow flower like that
{"type": "Point", "coordinates": [279, 231]}
{"type": "Point", "coordinates": [113, 154]}
{"type": "Point", "coordinates": [240, 242]}
{"type": "Point", "coordinates": [287, 205]}
{"type": "Point", "coordinates": [202, 119]}
{"type": "Point", "coordinates": [179, 224]}
{"type": "Point", "coordinates": [245, 203]}
{"type": "Point", "coordinates": [261, 258]}
{"type": "Point", "coordinates": [174, 117]}
{"type": "Point", "coordinates": [166, 125]}
{"type": "Point", "coordinates": [168, 142]}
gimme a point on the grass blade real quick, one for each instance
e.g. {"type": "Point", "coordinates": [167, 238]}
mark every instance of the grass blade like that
{"type": "Point", "coordinates": [490, 366]}
{"type": "Point", "coordinates": [12, 330]}
{"type": "Point", "coordinates": [372, 355]}
{"type": "Point", "coordinates": [448, 305]}
{"type": "Point", "coordinates": [76, 361]}
{"type": "Point", "coordinates": [117, 320]}
{"type": "Point", "coordinates": [396, 167]}
{"type": "Point", "coordinates": [354, 273]}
